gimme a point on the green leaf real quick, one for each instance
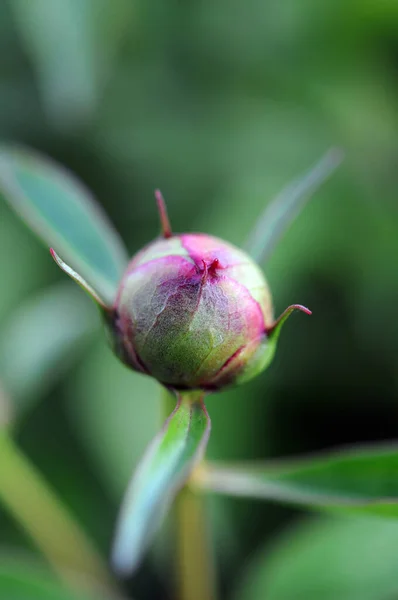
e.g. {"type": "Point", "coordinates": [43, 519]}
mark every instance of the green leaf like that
{"type": "Point", "coordinates": [167, 464]}
{"type": "Point", "coordinates": [72, 45]}
{"type": "Point", "coordinates": [26, 496]}
{"type": "Point", "coordinates": [41, 339]}
{"type": "Point", "coordinates": [328, 559]}
{"type": "Point", "coordinates": [21, 581]}
{"type": "Point", "coordinates": [280, 212]}
{"type": "Point", "coordinates": [354, 480]}
{"type": "Point", "coordinates": [64, 215]}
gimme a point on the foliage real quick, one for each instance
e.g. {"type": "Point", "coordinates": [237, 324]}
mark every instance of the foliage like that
{"type": "Point", "coordinates": [219, 106]}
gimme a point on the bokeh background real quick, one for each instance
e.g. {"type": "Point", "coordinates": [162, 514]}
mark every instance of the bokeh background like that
{"type": "Point", "coordinates": [219, 104]}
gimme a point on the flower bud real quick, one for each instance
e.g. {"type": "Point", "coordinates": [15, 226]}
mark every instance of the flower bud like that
{"type": "Point", "coordinates": [193, 311]}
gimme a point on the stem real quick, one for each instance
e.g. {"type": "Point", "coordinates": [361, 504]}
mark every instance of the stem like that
{"type": "Point", "coordinates": [195, 575]}
{"type": "Point", "coordinates": [26, 495]}
{"type": "Point", "coordinates": [195, 568]}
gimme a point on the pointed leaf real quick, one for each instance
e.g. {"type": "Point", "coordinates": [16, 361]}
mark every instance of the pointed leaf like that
{"type": "Point", "coordinates": [165, 467]}
{"type": "Point", "coordinates": [328, 559]}
{"type": "Point", "coordinates": [64, 215]}
{"type": "Point", "coordinates": [281, 212]}
{"type": "Point", "coordinates": [353, 480]}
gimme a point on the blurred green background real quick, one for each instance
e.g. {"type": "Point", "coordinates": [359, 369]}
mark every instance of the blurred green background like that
{"type": "Point", "coordinates": [219, 104]}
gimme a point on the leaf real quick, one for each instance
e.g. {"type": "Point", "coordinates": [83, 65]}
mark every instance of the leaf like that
{"type": "Point", "coordinates": [167, 464]}
{"type": "Point", "coordinates": [63, 213]}
{"type": "Point", "coordinates": [72, 45]}
{"type": "Point", "coordinates": [22, 584]}
{"type": "Point", "coordinates": [328, 559]}
{"type": "Point", "coordinates": [23, 580]}
{"type": "Point", "coordinates": [280, 212]}
{"type": "Point", "coordinates": [41, 339]}
{"type": "Point", "coordinates": [353, 480]}
{"type": "Point", "coordinates": [45, 519]}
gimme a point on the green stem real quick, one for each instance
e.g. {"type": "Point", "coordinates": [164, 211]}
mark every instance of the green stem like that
{"type": "Point", "coordinates": [196, 578]}
{"type": "Point", "coordinates": [26, 495]}
{"type": "Point", "coordinates": [195, 574]}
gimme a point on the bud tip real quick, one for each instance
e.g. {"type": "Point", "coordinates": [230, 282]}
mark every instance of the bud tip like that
{"type": "Point", "coordinates": [303, 309]}
{"type": "Point", "coordinates": [275, 327]}
{"type": "Point", "coordinates": [164, 219]}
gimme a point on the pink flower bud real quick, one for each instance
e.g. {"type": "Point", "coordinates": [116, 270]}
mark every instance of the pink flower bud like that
{"type": "Point", "coordinates": [193, 312]}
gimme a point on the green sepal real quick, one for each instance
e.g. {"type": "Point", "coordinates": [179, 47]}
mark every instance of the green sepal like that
{"type": "Point", "coordinates": [265, 352]}
{"type": "Point", "coordinates": [78, 279]}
